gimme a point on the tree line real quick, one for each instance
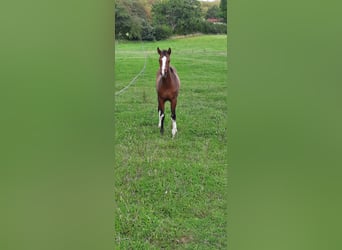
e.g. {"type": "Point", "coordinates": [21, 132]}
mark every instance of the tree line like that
{"type": "Point", "coordinates": [159, 19]}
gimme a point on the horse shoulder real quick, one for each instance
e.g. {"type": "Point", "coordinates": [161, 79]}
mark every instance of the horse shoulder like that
{"type": "Point", "coordinates": [158, 80]}
{"type": "Point", "coordinates": [174, 71]}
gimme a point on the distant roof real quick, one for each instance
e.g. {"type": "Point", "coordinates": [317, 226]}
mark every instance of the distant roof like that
{"type": "Point", "coordinates": [214, 20]}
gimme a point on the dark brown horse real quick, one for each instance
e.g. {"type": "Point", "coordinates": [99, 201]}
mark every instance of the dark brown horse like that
{"type": "Point", "coordinates": [167, 84]}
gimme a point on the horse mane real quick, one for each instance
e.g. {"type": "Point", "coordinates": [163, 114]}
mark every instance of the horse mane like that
{"type": "Point", "coordinates": [164, 52]}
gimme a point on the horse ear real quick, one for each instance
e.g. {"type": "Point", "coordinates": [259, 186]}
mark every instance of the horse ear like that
{"type": "Point", "coordinates": [158, 50]}
{"type": "Point", "coordinates": [169, 51]}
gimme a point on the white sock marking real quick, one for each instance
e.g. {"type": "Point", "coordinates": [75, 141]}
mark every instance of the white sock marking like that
{"type": "Point", "coordinates": [160, 118]}
{"type": "Point", "coordinates": [174, 128]}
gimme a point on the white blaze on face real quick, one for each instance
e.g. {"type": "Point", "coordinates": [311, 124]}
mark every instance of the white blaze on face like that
{"type": "Point", "coordinates": [163, 65]}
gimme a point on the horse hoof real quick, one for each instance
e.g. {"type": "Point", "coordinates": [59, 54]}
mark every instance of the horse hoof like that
{"type": "Point", "coordinates": [174, 132]}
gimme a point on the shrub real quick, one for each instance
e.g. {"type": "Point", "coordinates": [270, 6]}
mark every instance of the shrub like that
{"type": "Point", "coordinates": [213, 28]}
{"type": "Point", "coordinates": [162, 32]}
{"type": "Point", "coordinates": [147, 32]}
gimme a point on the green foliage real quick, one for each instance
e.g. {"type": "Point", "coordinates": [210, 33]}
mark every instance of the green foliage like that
{"type": "Point", "coordinates": [223, 7]}
{"type": "Point", "coordinates": [211, 28]}
{"type": "Point", "coordinates": [183, 16]}
{"type": "Point", "coordinates": [136, 28]}
{"type": "Point", "coordinates": [213, 12]}
{"type": "Point", "coordinates": [134, 20]}
{"type": "Point", "coordinates": [131, 21]}
{"type": "Point", "coordinates": [122, 20]}
{"type": "Point", "coordinates": [207, 5]}
{"type": "Point", "coordinates": [162, 32]}
{"type": "Point", "coordinates": [147, 32]}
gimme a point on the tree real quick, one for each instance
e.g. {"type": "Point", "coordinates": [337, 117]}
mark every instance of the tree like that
{"type": "Point", "coordinates": [132, 21]}
{"type": "Point", "coordinates": [223, 7]}
{"type": "Point", "coordinates": [182, 16]}
{"type": "Point", "coordinates": [122, 20]}
{"type": "Point", "coordinates": [213, 12]}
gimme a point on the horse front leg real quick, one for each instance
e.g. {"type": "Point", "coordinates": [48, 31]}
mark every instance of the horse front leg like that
{"type": "Point", "coordinates": [161, 106]}
{"type": "Point", "coordinates": [173, 116]}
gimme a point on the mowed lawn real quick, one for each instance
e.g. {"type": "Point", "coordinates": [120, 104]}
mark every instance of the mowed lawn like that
{"type": "Point", "coordinates": [171, 193]}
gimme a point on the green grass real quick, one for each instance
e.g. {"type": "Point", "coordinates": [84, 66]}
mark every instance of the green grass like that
{"type": "Point", "coordinates": [170, 193]}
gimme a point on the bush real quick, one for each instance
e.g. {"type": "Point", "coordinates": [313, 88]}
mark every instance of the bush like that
{"type": "Point", "coordinates": [135, 29]}
{"type": "Point", "coordinates": [147, 32]}
{"type": "Point", "coordinates": [213, 28]}
{"type": "Point", "coordinates": [162, 32]}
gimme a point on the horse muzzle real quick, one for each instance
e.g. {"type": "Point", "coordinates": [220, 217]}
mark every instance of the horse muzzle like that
{"type": "Point", "coordinates": [164, 74]}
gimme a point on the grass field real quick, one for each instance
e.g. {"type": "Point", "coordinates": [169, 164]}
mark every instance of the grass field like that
{"type": "Point", "coordinates": [170, 193]}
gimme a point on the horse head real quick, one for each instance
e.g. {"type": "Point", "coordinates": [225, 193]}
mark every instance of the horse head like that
{"type": "Point", "coordinates": [164, 61]}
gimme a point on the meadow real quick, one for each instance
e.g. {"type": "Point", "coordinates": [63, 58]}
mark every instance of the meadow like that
{"type": "Point", "coordinates": [171, 193]}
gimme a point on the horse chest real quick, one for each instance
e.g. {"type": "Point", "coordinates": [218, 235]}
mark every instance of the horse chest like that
{"type": "Point", "coordinates": [166, 90]}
